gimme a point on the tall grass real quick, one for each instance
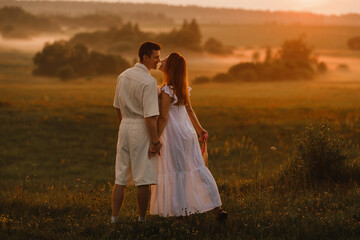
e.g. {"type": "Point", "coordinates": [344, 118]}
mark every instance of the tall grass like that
{"type": "Point", "coordinates": [57, 154]}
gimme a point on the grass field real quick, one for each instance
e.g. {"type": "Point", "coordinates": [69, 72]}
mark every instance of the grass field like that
{"type": "Point", "coordinates": [57, 153]}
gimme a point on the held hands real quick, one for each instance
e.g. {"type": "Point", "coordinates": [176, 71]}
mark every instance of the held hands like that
{"type": "Point", "coordinates": [154, 149]}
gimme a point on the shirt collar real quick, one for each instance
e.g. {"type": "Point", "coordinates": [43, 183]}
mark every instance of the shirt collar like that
{"type": "Point", "coordinates": [143, 67]}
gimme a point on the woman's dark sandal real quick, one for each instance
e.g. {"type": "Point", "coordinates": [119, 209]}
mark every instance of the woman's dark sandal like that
{"type": "Point", "coordinates": [222, 216]}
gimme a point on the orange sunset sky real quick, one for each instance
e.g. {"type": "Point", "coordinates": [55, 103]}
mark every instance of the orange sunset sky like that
{"type": "Point", "coordinates": [316, 6]}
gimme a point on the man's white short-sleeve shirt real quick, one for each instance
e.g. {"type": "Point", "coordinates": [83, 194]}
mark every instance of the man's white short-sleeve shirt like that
{"type": "Point", "coordinates": [136, 93]}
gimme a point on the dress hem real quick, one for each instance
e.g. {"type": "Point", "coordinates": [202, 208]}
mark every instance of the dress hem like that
{"type": "Point", "coordinates": [190, 213]}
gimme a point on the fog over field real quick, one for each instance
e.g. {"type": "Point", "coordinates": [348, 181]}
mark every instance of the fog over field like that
{"type": "Point", "coordinates": [277, 91]}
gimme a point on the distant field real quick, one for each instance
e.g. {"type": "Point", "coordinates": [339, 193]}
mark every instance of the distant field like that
{"type": "Point", "coordinates": [57, 153]}
{"type": "Point", "coordinates": [254, 36]}
{"type": "Point", "coordinates": [321, 37]}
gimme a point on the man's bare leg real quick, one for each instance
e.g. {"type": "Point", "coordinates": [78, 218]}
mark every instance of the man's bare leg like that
{"type": "Point", "coordinates": [143, 197]}
{"type": "Point", "coordinates": [118, 196]}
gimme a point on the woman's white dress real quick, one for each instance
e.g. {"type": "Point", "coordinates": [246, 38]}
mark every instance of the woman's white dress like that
{"type": "Point", "coordinates": [185, 185]}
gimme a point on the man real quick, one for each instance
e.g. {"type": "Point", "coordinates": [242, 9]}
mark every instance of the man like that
{"type": "Point", "coordinates": [136, 103]}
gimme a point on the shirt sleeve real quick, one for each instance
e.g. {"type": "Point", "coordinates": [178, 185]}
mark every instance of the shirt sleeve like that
{"type": "Point", "coordinates": [150, 100]}
{"type": "Point", "coordinates": [116, 103]}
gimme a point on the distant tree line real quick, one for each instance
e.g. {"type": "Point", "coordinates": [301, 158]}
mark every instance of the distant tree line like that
{"type": "Point", "coordinates": [132, 12]}
{"type": "Point", "coordinates": [89, 21]}
{"type": "Point", "coordinates": [293, 61]}
{"type": "Point", "coordinates": [119, 37]}
{"type": "Point", "coordinates": [114, 39]}
{"type": "Point", "coordinates": [129, 36]}
{"type": "Point", "coordinates": [66, 60]}
{"type": "Point", "coordinates": [16, 23]}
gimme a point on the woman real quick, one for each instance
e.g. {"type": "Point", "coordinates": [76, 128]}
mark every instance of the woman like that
{"type": "Point", "coordinates": [185, 185]}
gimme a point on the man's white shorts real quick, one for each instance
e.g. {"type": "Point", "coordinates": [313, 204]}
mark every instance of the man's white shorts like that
{"type": "Point", "coordinates": [132, 161]}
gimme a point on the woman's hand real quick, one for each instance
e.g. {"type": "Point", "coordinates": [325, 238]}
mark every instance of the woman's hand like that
{"type": "Point", "coordinates": [203, 135]}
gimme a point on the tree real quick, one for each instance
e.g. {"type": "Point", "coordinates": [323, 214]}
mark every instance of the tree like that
{"type": "Point", "coordinates": [188, 36]}
{"type": "Point", "coordinates": [255, 57]}
{"type": "Point", "coordinates": [51, 58]}
{"type": "Point", "coordinates": [268, 55]}
{"type": "Point", "coordinates": [214, 46]}
{"type": "Point", "coordinates": [296, 53]}
{"type": "Point", "coordinates": [65, 72]}
{"type": "Point", "coordinates": [66, 60]}
{"type": "Point", "coordinates": [354, 43]}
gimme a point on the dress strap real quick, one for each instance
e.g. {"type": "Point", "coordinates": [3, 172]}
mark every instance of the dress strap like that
{"type": "Point", "coordinates": [169, 91]}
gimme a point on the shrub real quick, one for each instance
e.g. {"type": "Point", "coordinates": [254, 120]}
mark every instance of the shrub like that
{"type": "Point", "coordinates": [320, 155]}
{"type": "Point", "coordinates": [303, 73]}
{"type": "Point", "coordinates": [321, 67]}
{"type": "Point", "coordinates": [343, 67]}
{"type": "Point", "coordinates": [222, 77]}
{"type": "Point", "coordinates": [237, 70]}
{"type": "Point", "coordinates": [214, 46]}
{"type": "Point", "coordinates": [293, 61]}
{"type": "Point", "coordinates": [249, 75]}
{"type": "Point", "coordinates": [201, 80]}
{"type": "Point", "coordinates": [65, 72]}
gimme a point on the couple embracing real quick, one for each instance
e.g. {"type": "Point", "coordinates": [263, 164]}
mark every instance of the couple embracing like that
{"type": "Point", "coordinates": [158, 149]}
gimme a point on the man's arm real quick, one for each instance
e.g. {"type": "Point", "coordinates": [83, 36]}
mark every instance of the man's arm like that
{"type": "Point", "coordinates": [151, 124]}
{"type": "Point", "coordinates": [119, 114]}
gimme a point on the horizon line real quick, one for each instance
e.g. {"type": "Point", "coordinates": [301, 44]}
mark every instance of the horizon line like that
{"type": "Point", "coordinates": [197, 5]}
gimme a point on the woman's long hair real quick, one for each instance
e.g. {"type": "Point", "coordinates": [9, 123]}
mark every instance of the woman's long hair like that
{"type": "Point", "coordinates": [175, 76]}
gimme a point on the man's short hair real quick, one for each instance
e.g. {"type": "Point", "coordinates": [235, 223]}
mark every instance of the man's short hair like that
{"type": "Point", "coordinates": [146, 48]}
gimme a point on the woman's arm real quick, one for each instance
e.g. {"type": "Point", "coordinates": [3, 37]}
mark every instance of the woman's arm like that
{"type": "Point", "coordinates": [194, 120]}
{"type": "Point", "coordinates": [164, 112]}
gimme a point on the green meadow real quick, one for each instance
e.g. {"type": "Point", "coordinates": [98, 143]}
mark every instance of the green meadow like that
{"type": "Point", "coordinates": [58, 144]}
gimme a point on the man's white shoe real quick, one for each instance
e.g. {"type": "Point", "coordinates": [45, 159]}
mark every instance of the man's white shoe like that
{"type": "Point", "coordinates": [141, 219]}
{"type": "Point", "coordinates": [114, 219]}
